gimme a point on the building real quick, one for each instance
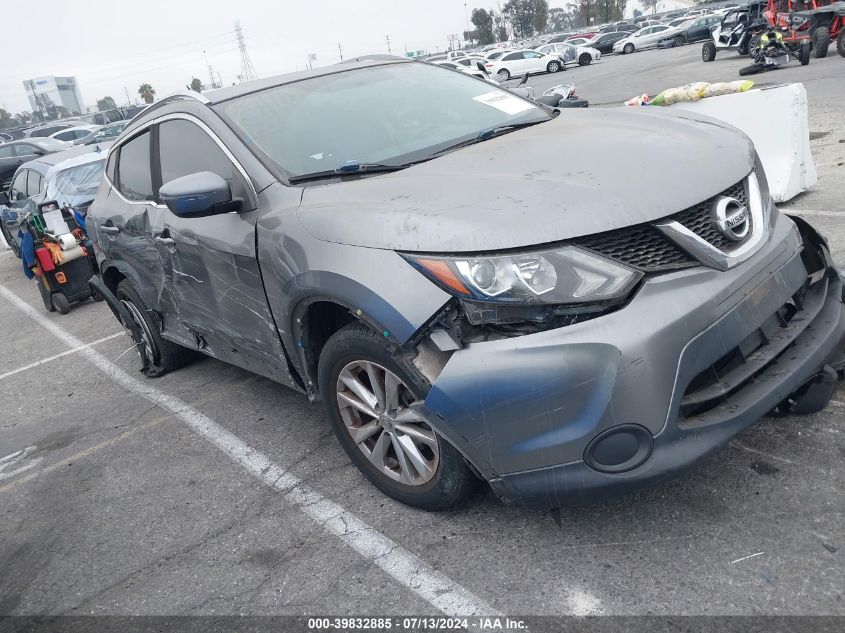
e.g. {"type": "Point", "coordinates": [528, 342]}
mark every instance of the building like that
{"type": "Point", "coordinates": [44, 92]}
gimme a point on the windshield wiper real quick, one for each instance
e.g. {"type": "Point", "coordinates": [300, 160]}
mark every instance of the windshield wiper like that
{"type": "Point", "coordinates": [487, 134]}
{"type": "Point", "coordinates": [348, 169]}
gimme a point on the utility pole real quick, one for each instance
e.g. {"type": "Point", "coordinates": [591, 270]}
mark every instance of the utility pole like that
{"type": "Point", "coordinates": [247, 69]}
{"type": "Point", "coordinates": [387, 38]}
{"type": "Point", "coordinates": [210, 72]}
{"type": "Point", "coordinates": [126, 90]}
{"type": "Point", "coordinates": [340, 51]}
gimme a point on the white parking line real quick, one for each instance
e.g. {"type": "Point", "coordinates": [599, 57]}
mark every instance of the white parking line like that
{"type": "Point", "coordinates": [831, 214]}
{"type": "Point", "coordinates": [436, 588]}
{"type": "Point", "coordinates": [50, 359]}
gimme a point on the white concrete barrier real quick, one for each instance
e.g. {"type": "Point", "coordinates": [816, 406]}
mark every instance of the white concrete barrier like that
{"type": "Point", "coordinates": [776, 120]}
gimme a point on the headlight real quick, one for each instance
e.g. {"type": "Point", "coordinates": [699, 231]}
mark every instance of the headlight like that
{"type": "Point", "coordinates": [558, 275]}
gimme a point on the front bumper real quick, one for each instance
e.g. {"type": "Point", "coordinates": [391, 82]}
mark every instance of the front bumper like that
{"type": "Point", "coordinates": [527, 411]}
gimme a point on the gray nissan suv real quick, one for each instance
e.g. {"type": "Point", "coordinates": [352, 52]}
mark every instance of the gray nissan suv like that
{"type": "Point", "coordinates": [410, 247]}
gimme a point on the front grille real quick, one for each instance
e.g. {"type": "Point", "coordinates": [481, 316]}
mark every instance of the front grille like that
{"type": "Point", "coordinates": [646, 248]}
{"type": "Point", "coordinates": [697, 219]}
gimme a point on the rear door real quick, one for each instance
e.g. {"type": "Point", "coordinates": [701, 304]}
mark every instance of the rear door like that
{"type": "Point", "coordinates": [211, 262]}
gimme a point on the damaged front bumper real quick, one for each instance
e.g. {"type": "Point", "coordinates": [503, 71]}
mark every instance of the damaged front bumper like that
{"type": "Point", "coordinates": [601, 408]}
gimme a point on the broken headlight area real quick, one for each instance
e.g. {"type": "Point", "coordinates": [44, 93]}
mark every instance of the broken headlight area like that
{"type": "Point", "coordinates": [511, 294]}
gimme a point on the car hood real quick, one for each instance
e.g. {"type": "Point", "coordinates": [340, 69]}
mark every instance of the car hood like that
{"type": "Point", "coordinates": [585, 172]}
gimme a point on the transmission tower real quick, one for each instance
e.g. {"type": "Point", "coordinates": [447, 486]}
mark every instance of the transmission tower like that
{"type": "Point", "coordinates": [247, 69]}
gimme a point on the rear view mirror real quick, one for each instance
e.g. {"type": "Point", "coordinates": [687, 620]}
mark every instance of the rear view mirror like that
{"type": "Point", "coordinates": [197, 195]}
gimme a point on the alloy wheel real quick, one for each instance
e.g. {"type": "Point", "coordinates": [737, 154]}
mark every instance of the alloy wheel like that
{"type": "Point", "coordinates": [146, 341]}
{"type": "Point", "coordinates": [375, 407]}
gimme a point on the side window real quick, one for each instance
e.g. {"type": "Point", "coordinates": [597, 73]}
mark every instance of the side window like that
{"type": "Point", "coordinates": [7, 151]}
{"type": "Point", "coordinates": [24, 149]}
{"type": "Point", "coordinates": [531, 54]}
{"type": "Point", "coordinates": [110, 167]}
{"type": "Point", "coordinates": [17, 191]}
{"type": "Point", "coordinates": [33, 183]}
{"type": "Point", "coordinates": [186, 149]}
{"type": "Point", "coordinates": [133, 171]}
{"type": "Point", "coordinates": [512, 57]}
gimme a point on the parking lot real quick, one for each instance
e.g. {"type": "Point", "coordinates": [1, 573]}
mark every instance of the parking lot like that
{"type": "Point", "coordinates": [214, 491]}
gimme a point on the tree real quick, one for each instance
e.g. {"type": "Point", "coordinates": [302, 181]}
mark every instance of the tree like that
{"type": "Point", "coordinates": [600, 11]}
{"type": "Point", "coordinates": [559, 19]}
{"type": "Point", "coordinates": [541, 15]}
{"type": "Point", "coordinates": [196, 85]}
{"type": "Point", "coordinates": [483, 22]}
{"type": "Point", "coordinates": [147, 93]}
{"type": "Point", "coordinates": [106, 103]}
{"type": "Point", "coordinates": [520, 13]}
{"type": "Point", "coordinates": [24, 117]}
{"type": "Point", "coordinates": [5, 118]}
{"type": "Point", "coordinates": [650, 4]}
{"type": "Point", "coordinates": [500, 26]}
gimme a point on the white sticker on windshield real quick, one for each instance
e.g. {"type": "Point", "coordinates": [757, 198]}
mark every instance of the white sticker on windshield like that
{"type": "Point", "coordinates": [507, 103]}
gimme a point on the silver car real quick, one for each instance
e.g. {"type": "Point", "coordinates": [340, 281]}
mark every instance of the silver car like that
{"type": "Point", "coordinates": [466, 301]}
{"type": "Point", "coordinates": [644, 38]}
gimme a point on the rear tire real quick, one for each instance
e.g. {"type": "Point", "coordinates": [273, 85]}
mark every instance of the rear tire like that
{"type": "Point", "coordinates": [503, 75]}
{"type": "Point", "coordinates": [628, 49]}
{"type": "Point", "coordinates": [10, 240]}
{"type": "Point", "coordinates": [708, 52]}
{"type": "Point", "coordinates": [60, 302]}
{"type": "Point", "coordinates": [158, 355]}
{"type": "Point", "coordinates": [804, 53]}
{"type": "Point", "coordinates": [347, 351]}
{"type": "Point", "coordinates": [679, 41]}
{"type": "Point", "coordinates": [585, 59]}
{"type": "Point", "coordinates": [753, 69]}
{"type": "Point", "coordinates": [553, 67]}
{"type": "Point", "coordinates": [821, 42]}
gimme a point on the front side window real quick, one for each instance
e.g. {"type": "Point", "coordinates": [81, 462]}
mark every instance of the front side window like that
{"type": "Point", "coordinates": [6, 152]}
{"type": "Point", "coordinates": [390, 114]}
{"type": "Point", "coordinates": [133, 171]}
{"type": "Point", "coordinates": [186, 149]}
{"type": "Point", "coordinates": [17, 191]}
{"type": "Point", "coordinates": [512, 57]}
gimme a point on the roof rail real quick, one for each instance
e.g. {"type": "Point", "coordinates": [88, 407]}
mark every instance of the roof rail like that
{"type": "Point", "coordinates": [185, 94]}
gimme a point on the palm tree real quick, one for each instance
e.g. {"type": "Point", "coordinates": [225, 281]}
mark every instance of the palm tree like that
{"type": "Point", "coordinates": [147, 93]}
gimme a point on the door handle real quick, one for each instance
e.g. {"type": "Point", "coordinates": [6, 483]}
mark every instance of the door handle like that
{"type": "Point", "coordinates": [111, 230]}
{"type": "Point", "coordinates": [166, 241]}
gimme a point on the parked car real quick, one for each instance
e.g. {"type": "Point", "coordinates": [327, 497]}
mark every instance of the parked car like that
{"type": "Point", "coordinates": [581, 55]}
{"type": "Point", "coordinates": [518, 63]}
{"type": "Point", "coordinates": [695, 30]}
{"type": "Point", "coordinates": [73, 134]}
{"type": "Point", "coordinates": [643, 39]}
{"type": "Point", "coordinates": [619, 26]}
{"type": "Point", "coordinates": [604, 42]}
{"type": "Point", "coordinates": [579, 41]}
{"type": "Point", "coordinates": [70, 176]}
{"type": "Point", "coordinates": [470, 61]}
{"type": "Point", "coordinates": [561, 37]}
{"type": "Point", "coordinates": [106, 133]}
{"type": "Point", "coordinates": [15, 153]}
{"type": "Point", "coordinates": [571, 336]}
{"type": "Point", "coordinates": [494, 55]}
{"type": "Point", "coordinates": [42, 131]}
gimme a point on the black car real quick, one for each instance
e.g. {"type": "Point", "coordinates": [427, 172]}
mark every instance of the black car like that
{"type": "Point", "coordinates": [626, 27]}
{"type": "Point", "coordinates": [697, 29]}
{"type": "Point", "coordinates": [15, 153]}
{"type": "Point", "coordinates": [605, 41]}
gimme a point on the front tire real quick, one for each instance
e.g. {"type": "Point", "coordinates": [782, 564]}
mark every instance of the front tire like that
{"type": "Point", "coordinates": [628, 49]}
{"type": "Point", "coordinates": [679, 40]}
{"type": "Point", "coordinates": [366, 396]}
{"type": "Point", "coordinates": [708, 51]}
{"type": "Point", "coordinates": [60, 302]}
{"type": "Point", "coordinates": [585, 60]}
{"type": "Point", "coordinates": [503, 75]}
{"type": "Point", "coordinates": [158, 356]}
{"type": "Point", "coordinates": [821, 42]}
{"type": "Point", "coordinates": [753, 69]}
{"type": "Point", "coordinates": [553, 67]}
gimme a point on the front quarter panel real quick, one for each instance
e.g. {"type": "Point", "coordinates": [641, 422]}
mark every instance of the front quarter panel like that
{"type": "Point", "coordinates": [377, 286]}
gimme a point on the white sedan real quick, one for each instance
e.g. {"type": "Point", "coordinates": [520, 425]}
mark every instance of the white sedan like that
{"type": "Point", "coordinates": [581, 55]}
{"type": "Point", "coordinates": [644, 38]}
{"type": "Point", "coordinates": [517, 63]}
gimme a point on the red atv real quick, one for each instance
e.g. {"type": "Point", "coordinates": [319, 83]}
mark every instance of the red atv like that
{"type": "Point", "coordinates": [819, 20]}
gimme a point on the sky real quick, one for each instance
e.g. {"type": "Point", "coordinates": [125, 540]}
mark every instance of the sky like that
{"type": "Point", "coordinates": [112, 48]}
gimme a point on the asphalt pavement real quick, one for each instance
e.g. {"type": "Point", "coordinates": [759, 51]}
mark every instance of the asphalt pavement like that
{"type": "Point", "coordinates": [214, 491]}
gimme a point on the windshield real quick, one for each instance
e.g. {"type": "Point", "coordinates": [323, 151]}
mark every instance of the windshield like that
{"type": "Point", "coordinates": [392, 114]}
{"type": "Point", "coordinates": [76, 182]}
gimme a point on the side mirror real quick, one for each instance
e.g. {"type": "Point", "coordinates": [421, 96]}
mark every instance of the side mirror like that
{"type": "Point", "coordinates": [4, 198]}
{"type": "Point", "coordinates": [197, 195]}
